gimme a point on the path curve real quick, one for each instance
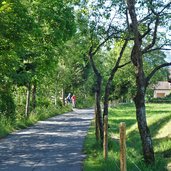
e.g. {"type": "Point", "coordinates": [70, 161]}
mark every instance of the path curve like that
{"type": "Point", "coordinates": [52, 145]}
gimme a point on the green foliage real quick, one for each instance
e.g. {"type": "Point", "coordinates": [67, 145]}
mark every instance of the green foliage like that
{"type": "Point", "coordinates": [84, 101]}
{"type": "Point", "coordinates": [30, 36]}
{"type": "Point", "coordinates": [8, 125]}
{"type": "Point", "coordinates": [158, 115]}
{"type": "Point", "coordinates": [7, 106]}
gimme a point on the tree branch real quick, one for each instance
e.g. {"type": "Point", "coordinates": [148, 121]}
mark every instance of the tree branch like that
{"type": "Point", "coordinates": [148, 78]}
{"type": "Point", "coordinates": [102, 43]}
{"type": "Point", "coordinates": [154, 37]}
{"type": "Point", "coordinates": [145, 18]}
{"type": "Point", "coordinates": [115, 68]}
{"type": "Point", "coordinates": [166, 6]}
{"type": "Point", "coordinates": [127, 20]}
{"type": "Point", "coordinates": [120, 66]}
{"type": "Point", "coordinates": [159, 48]}
{"type": "Point", "coordinates": [90, 55]}
{"type": "Point", "coordinates": [110, 25]}
{"type": "Point", "coordinates": [147, 32]}
{"type": "Point", "coordinates": [157, 14]}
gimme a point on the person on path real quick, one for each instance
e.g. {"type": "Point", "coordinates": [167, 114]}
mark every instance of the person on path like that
{"type": "Point", "coordinates": [68, 98]}
{"type": "Point", "coordinates": [73, 98]}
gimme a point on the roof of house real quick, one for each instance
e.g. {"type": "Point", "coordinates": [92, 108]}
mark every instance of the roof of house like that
{"type": "Point", "coordinates": [163, 85]}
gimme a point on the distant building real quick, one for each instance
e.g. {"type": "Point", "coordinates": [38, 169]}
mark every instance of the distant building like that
{"type": "Point", "coordinates": [169, 76]}
{"type": "Point", "coordinates": [162, 89]}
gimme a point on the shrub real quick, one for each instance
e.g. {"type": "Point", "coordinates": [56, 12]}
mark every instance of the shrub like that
{"type": "Point", "coordinates": [7, 106]}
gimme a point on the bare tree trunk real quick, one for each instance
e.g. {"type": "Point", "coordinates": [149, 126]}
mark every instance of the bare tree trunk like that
{"type": "Point", "coordinates": [98, 106]}
{"type": "Point", "coordinates": [96, 123]}
{"type": "Point", "coordinates": [55, 98]}
{"type": "Point", "coordinates": [34, 96]}
{"type": "Point", "coordinates": [97, 94]}
{"type": "Point", "coordinates": [106, 98]}
{"type": "Point", "coordinates": [63, 96]}
{"type": "Point", "coordinates": [56, 92]}
{"type": "Point", "coordinates": [27, 109]}
{"type": "Point", "coordinates": [55, 95]}
{"type": "Point", "coordinates": [105, 141]}
{"type": "Point", "coordinates": [139, 100]}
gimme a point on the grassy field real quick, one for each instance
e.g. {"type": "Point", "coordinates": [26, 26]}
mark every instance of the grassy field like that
{"type": "Point", "coordinates": [159, 120]}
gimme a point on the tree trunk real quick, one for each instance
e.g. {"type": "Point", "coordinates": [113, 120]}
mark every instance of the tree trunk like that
{"type": "Point", "coordinates": [27, 109]}
{"type": "Point", "coordinates": [144, 131]}
{"type": "Point", "coordinates": [97, 93]}
{"type": "Point", "coordinates": [98, 106]}
{"type": "Point", "coordinates": [137, 60]}
{"type": "Point", "coordinates": [34, 96]}
{"type": "Point", "coordinates": [96, 123]}
{"type": "Point", "coordinates": [63, 96]}
{"type": "Point", "coordinates": [106, 98]}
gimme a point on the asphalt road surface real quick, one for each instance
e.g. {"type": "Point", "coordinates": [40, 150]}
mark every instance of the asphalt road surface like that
{"type": "Point", "coordinates": [52, 145]}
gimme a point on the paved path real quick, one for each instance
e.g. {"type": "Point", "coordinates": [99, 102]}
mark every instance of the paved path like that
{"type": "Point", "coordinates": [51, 145]}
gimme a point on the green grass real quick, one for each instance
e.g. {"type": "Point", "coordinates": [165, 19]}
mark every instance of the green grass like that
{"type": "Point", "coordinates": [158, 115]}
{"type": "Point", "coordinates": [8, 126]}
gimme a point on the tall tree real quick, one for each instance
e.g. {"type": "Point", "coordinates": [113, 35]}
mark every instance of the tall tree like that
{"type": "Point", "coordinates": [143, 28]}
{"type": "Point", "coordinates": [15, 25]}
{"type": "Point", "coordinates": [31, 33]}
{"type": "Point", "coordinates": [101, 31]}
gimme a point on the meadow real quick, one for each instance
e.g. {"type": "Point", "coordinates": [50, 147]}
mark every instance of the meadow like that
{"type": "Point", "coordinates": [159, 122]}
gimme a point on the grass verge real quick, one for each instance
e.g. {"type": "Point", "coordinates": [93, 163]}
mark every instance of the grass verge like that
{"type": "Point", "coordinates": [158, 115]}
{"type": "Point", "coordinates": [8, 126]}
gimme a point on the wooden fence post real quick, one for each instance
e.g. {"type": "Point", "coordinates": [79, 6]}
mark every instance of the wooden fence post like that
{"type": "Point", "coordinates": [122, 129]}
{"type": "Point", "coordinates": [105, 139]}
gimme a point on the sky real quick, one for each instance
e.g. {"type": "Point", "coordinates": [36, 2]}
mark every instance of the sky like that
{"type": "Point", "coordinates": [168, 53]}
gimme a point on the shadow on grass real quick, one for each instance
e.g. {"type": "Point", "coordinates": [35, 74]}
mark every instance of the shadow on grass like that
{"type": "Point", "coordinates": [155, 127]}
{"type": "Point", "coordinates": [157, 112]}
{"type": "Point", "coordinates": [135, 161]}
{"type": "Point", "coordinates": [166, 153]}
{"type": "Point", "coordinates": [134, 147]}
{"type": "Point", "coordinates": [114, 124]}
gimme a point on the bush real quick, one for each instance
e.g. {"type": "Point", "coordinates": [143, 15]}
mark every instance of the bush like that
{"type": "Point", "coordinates": [42, 113]}
{"type": "Point", "coordinates": [83, 102]}
{"type": "Point", "coordinates": [7, 106]}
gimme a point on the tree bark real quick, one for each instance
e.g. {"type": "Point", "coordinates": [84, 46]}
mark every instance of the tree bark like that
{"type": "Point", "coordinates": [97, 93]}
{"type": "Point", "coordinates": [144, 131]}
{"type": "Point", "coordinates": [34, 96]}
{"type": "Point", "coordinates": [63, 96]}
{"type": "Point", "coordinates": [106, 98]}
{"type": "Point", "coordinates": [96, 122]}
{"type": "Point", "coordinates": [98, 106]}
{"type": "Point", "coordinates": [27, 109]}
{"type": "Point", "coordinates": [105, 141]}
